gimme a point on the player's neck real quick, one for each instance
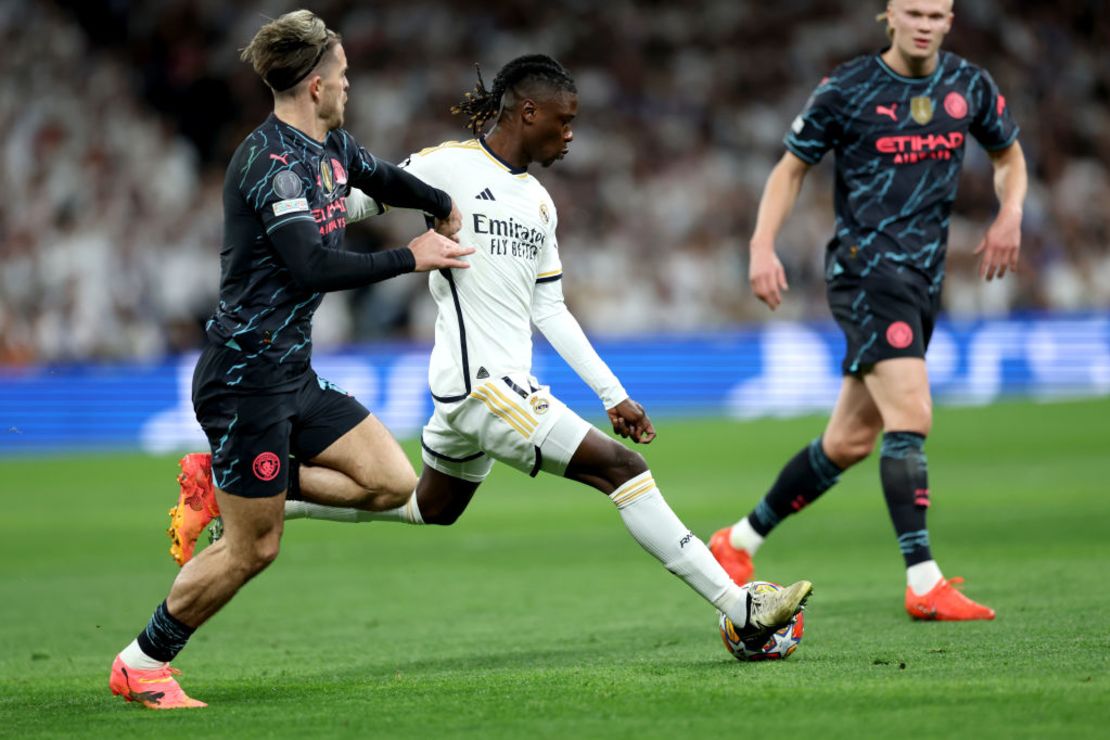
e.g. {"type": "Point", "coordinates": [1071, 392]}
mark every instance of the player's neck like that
{"type": "Point", "coordinates": [508, 148]}
{"type": "Point", "coordinates": [301, 117]}
{"type": "Point", "coordinates": [910, 66]}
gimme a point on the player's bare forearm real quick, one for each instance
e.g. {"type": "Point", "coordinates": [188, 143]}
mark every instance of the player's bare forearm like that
{"type": "Point", "coordinates": [1001, 246]}
{"type": "Point", "coordinates": [778, 199]}
{"type": "Point", "coordinates": [1011, 181]}
{"type": "Point", "coordinates": [765, 272]}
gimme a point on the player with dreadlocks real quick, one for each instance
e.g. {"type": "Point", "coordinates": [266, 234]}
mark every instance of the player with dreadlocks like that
{"type": "Point", "coordinates": [488, 405]}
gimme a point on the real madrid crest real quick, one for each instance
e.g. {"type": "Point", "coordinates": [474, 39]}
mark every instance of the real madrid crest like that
{"type": "Point", "coordinates": [539, 404]}
{"type": "Point", "coordinates": [544, 214]}
{"type": "Point", "coordinates": [921, 109]}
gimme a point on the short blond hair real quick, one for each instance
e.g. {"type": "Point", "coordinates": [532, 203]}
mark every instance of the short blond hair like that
{"type": "Point", "coordinates": [883, 17]}
{"type": "Point", "coordinates": [288, 48]}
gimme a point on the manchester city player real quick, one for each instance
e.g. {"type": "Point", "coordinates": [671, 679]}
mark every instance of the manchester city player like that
{"type": "Point", "coordinates": [254, 390]}
{"type": "Point", "coordinates": [898, 123]}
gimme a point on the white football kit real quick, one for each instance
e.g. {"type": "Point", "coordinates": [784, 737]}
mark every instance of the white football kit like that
{"type": "Point", "coordinates": [487, 403]}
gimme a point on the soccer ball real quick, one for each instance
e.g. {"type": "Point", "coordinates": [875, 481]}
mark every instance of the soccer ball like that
{"type": "Point", "coordinates": [777, 646]}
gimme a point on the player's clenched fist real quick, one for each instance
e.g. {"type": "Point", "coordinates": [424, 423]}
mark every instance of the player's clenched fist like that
{"type": "Point", "coordinates": [451, 225]}
{"type": "Point", "coordinates": [435, 252]}
{"type": "Point", "coordinates": [630, 420]}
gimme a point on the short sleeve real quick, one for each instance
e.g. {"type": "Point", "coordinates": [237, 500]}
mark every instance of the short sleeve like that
{"type": "Point", "coordinates": [816, 129]}
{"type": "Point", "coordinates": [993, 125]}
{"type": "Point", "coordinates": [275, 185]}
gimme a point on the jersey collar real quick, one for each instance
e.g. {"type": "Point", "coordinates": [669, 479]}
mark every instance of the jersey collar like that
{"type": "Point", "coordinates": [301, 135]}
{"type": "Point", "coordinates": [512, 170]}
{"type": "Point", "coordinates": [911, 80]}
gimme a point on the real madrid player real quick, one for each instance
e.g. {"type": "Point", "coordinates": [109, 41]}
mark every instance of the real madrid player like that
{"type": "Point", "coordinates": [488, 406]}
{"type": "Point", "coordinates": [254, 390]}
{"type": "Point", "coordinates": [898, 122]}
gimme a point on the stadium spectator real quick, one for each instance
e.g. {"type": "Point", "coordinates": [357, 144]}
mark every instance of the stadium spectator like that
{"type": "Point", "coordinates": [687, 132]}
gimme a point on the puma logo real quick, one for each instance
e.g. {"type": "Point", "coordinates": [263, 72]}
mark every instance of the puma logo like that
{"type": "Point", "coordinates": [890, 110]}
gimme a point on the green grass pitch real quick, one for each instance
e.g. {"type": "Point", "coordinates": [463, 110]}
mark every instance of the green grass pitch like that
{"type": "Point", "coordinates": [536, 615]}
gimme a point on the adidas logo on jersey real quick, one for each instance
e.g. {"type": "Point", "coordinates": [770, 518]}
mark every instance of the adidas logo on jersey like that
{"type": "Point", "coordinates": [482, 373]}
{"type": "Point", "coordinates": [485, 195]}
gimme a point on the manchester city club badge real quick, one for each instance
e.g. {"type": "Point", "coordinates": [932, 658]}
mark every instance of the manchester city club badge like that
{"type": "Point", "coordinates": [921, 108]}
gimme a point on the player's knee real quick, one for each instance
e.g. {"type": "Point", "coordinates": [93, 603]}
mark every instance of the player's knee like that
{"type": "Point", "coordinates": [926, 424]}
{"type": "Point", "coordinates": [626, 465]}
{"type": "Point", "coordinates": [390, 489]}
{"type": "Point", "coordinates": [249, 559]}
{"type": "Point", "coordinates": [265, 551]}
{"type": "Point", "coordinates": [396, 490]}
{"type": "Point", "coordinates": [847, 450]}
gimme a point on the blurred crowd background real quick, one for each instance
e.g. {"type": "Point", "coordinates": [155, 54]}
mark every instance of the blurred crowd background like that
{"type": "Point", "coordinates": [119, 118]}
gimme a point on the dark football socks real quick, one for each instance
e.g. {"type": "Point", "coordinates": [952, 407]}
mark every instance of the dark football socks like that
{"type": "Point", "coordinates": [904, 473]}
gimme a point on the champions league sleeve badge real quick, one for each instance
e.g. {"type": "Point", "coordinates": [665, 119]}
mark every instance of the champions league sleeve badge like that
{"type": "Point", "coordinates": [287, 185]}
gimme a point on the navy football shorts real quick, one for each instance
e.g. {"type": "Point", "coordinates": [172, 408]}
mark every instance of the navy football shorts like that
{"type": "Point", "coordinates": [883, 319]}
{"type": "Point", "coordinates": [252, 432]}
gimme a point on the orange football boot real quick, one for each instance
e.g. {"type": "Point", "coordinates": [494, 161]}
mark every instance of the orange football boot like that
{"type": "Point", "coordinates": [196, 505]}
{"type": "Point", "coordinates": [945, 603]}
{"type": "Point", "coordinates": [157, 689]}
{"type": "Point", "coordinates": [736, 562]}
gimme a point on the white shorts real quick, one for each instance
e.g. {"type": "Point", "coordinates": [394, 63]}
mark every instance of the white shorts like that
{"type": "Point", "coordinates": [506, 418]}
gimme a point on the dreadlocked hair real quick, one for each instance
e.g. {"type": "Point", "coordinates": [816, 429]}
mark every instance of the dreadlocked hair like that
{"type": "Point", "coordinates": [481, 105]}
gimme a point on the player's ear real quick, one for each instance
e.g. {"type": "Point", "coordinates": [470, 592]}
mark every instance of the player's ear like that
{"type": "Point", "coordinates": [314, 82]}
{"type": "Point", "coordinates": [528, 111]}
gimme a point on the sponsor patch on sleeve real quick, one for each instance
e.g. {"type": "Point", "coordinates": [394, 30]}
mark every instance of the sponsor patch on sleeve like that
{"type": "Point", "coordinates": [293, 205]}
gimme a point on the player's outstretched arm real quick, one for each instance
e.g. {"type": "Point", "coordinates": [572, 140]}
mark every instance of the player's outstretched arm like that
{"type": "Point", "coordinates": [629, 420]}
{"type": "Point", "coordinates": [434, 251]}
{"type": "Point", "coordinates": [361, 206]}
{"type": "Point", "coordinates": [555, 321]}
{"type": "Point", "coordinates": [765, 272]}
{"type": "Point", "coordinates": [1001, 246]}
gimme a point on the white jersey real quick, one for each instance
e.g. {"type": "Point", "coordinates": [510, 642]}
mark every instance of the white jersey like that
{"type": "Point", "coordinates": [484, 324]}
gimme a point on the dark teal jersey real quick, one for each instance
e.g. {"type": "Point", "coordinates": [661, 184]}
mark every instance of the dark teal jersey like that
{"type": "Point", "coordinates": [899, 143]}
{"type": "Point", "coordinates": [285, 218]}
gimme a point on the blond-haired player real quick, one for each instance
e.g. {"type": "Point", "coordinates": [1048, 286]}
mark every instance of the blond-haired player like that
{"type": "Point", "coordinates": [898, 122]}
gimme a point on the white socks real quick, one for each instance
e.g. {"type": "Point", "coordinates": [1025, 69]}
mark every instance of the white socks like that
{"type": "Point", "coordinates": [134, 657]}
{"type": "Point", "coordinates": [408, 512]}
{"type": "Point", "coordinates": [922, 577]}
{"type": "Point", "coordinates": [743, 537]}
{"type": "Point", "coordinates": [652, 523]}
